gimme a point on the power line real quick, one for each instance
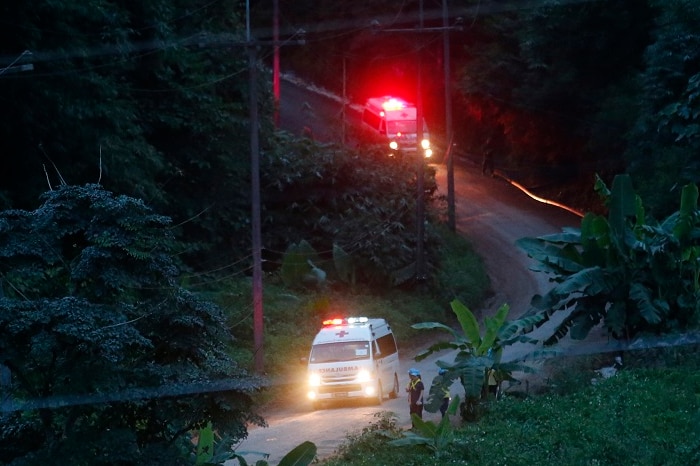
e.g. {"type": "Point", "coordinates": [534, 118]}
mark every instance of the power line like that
{"type": "Point", "coordinates": [248, 384]}
{"type": "Point", "coordinates": [206, 39]}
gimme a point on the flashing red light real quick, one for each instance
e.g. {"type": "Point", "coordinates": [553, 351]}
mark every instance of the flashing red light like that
{"type": "Point", "coordinates": [393, 104]}
{"type": "Point", "coordinates": [333, 322]}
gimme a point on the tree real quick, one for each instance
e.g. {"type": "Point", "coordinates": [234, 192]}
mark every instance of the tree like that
{"type": "Point", "coordinates": [665, 140]}
{"type": "Point", "coordinates": [112, 362]}
{"type": "Point", "coordinates": [346, 202]}
{"type": "Point", "coordinates": [539, 82]}
{"type": "Point", "coordinates": [147, 99]}
{"type": "Point", "coordinates": [627, 270]}
{"type": "Point", "coordinates": [478, 353]}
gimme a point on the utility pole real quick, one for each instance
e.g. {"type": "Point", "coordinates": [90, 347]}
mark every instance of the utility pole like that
{"type": "Point", "coordinates": [276, 60]}
{"type": "Point", "coordinates": [420, 169]}
{"type": "Point", "coordinates": [255, 219]}
{"type": "Point", "coordinates": [258, 334]}
{"type": "Point", "coordinates": [451, 218]}
{"type": "Point", "coordinates": [420, 180]}
{"type": "Point", "coordinates": [344, 137]}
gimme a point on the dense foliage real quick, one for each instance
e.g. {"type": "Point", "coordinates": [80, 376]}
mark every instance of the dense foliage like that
{"type": "Point", "coordinates": [146, 99]}
{"type": "Point", "coordinates": [558, 91]}
{"type": "Point", "coordinates": [157, 108]}
{"type": "Point", "coordinates": [630, 272]}
{"type": "Point", "coordinates": [477, 355]}
{"type": "Point", "coordinates": [105, 358]}
{"type": "Point", "coordinates": [349, 200]}
{"type": "Point", "coordinates": [646, 416]}
{"type": "Point", "coordinates": [665, 142]}
{"type": "Point", "coordinates": [152, 101]}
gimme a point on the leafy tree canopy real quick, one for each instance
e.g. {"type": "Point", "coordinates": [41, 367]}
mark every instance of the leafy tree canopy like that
{"type": "Point", "coordinates": [91, 310]}
{"type": "Point", "coordinates": [665, 141]}
{"type": "Point", "coordinates": [149, 100]}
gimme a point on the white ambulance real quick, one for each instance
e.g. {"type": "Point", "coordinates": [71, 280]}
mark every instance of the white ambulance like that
{"type": "Point", "coordinates": [353, 357]}
{"type": "Point", "coordinates": [393, 121]}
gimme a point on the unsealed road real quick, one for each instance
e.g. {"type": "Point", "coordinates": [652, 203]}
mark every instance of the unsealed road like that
{"type": "Point", "coordinates": [491, 213]}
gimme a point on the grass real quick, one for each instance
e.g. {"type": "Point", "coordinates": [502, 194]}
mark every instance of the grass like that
{"type": "Point", "coordinates": [648, 414]}
{"type": "Point", "coordinates": [641, 416]}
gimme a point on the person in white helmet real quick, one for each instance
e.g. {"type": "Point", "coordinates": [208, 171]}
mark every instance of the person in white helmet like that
{"type": "Point", "coordinates": [415, 393]}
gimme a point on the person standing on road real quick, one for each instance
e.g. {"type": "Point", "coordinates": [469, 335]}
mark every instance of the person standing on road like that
{"type": "Point", "coordinates": [487, 161]}
{"type": "Point", "coordinates": [445, 393]}
{"type": "Point", "coordinates": [415, 390]}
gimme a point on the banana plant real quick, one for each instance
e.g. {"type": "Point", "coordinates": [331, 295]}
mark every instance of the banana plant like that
{"type": "Point", "coordinates": [625, 269]}
{"type": "Point", "coordinates": [434, 436]}
{"type": "Point", "coordinates": [478, 352]}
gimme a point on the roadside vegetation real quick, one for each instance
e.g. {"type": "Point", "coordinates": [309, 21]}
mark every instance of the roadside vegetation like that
{"type": "Point", "coordinates": [642, 415]}
{"type": "Point", "coordinates": [101, 330]}
{"type": "Point", "coordinates": [641, 406]}
{"type": "Point", "coordinates": [294, 315]}
{"type": "Point", "coordinates": [125, 246]}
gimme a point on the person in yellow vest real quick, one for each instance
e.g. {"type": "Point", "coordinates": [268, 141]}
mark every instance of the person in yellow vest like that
{"type": "Point", "coordinates": [446, 393]}
{"type": "Point", "coordinates": [493, 383]}
{"type": "Point", "coordinates": [415, 390]}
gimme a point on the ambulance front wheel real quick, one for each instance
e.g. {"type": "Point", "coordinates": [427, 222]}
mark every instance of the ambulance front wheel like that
{"type": "Point", "coordinates": [394, 393]}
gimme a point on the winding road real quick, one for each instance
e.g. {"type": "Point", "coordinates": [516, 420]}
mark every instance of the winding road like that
{"type": "Point", "coordinates": [493, 214]}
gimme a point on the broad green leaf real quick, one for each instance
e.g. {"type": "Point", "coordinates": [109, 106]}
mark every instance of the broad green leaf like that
{"type": "Point", "coordinates": [425, 428]}
{"type": "Point", "coordinates": [205, 445]}
{"type": "Point", "coordinates": [436, 325]}
{"type": "Point", "coordinates": [302, 455]}
{"type": "Point", "coordinates": [493, 326]}
{"type": "Point", "coordinates": [441, 346]}
{"type": "Point", "coordinates": [622, 204]}
{"type": "Point", "coordinates": [466, 319]}
{"type": "Point", "coordinates": [642, 296]}
{"type": "Point", "coordinates": [687, 215]}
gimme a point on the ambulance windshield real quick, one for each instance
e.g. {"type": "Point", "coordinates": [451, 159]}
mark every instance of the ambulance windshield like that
{"type": "Point", "coordinates": [401, 126]}
{"type": "Point", "coordinates": [342, 351]}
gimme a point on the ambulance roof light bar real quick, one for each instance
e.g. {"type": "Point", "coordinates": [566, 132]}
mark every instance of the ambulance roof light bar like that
{"type": "Point", "coordinates": [345, 321]}
{"type": "Point", "coordinates": [392, 103]}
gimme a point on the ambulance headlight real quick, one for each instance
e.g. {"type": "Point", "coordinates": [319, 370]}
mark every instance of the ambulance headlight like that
{"type": "Point", "coordinates": [364, 376]}
{"type": "Point", "coordinates": [425, 144]}
{"type": "Point", "coordinates": [393, 145]}
{"type": "Point", "coordinates": [428, 153]}
{"type": "Point", "coordinates": [314, 380]}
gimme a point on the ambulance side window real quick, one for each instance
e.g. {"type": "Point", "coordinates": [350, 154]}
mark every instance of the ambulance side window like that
{"type": "Point", "coordinates": [371, 119]}
{"type": "Point", "coordinates": [387, 345]}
